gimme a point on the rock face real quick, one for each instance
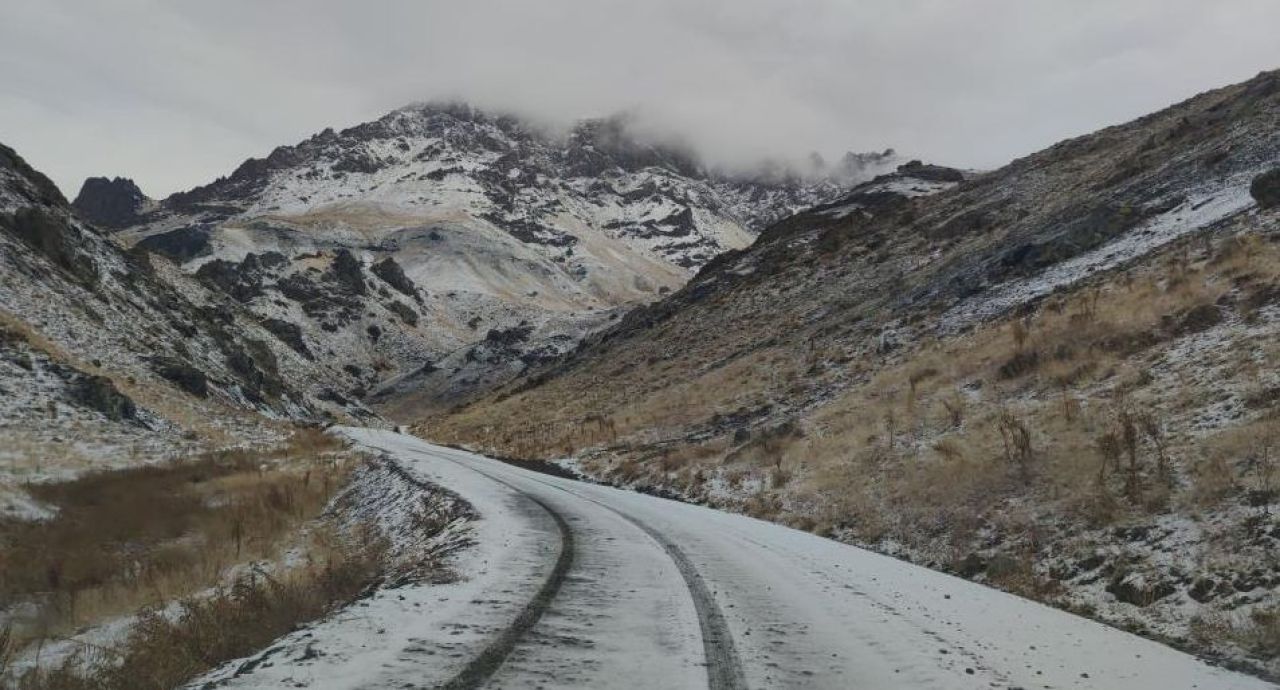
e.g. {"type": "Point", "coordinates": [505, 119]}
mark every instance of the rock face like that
{"type": "Point", "coordinates": [478, 221]}
{"type": "Point", "coordinates": [110, 203]}
{"type": "Point", "coordinates": [33, 210]}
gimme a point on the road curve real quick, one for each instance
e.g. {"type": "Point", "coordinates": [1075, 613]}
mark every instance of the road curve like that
{"type": "Point", "coordinates": [660, 594]}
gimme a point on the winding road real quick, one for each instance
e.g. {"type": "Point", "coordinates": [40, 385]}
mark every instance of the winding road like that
{"type": "Point", "coordinates": [573, 585]}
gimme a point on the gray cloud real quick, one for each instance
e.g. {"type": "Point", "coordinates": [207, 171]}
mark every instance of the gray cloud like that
{"type": "Point", "coordinates": [177, 92]}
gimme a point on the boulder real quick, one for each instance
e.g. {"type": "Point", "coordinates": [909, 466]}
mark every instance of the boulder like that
{"type": "Point", "coordinates": [348, 273]}
{"type": "Point", "coordinates": [181, 245]}
{"type": "Point", "coordinates": [1136, 589]}
{"type": "Point", "coordinates": [405, 312]}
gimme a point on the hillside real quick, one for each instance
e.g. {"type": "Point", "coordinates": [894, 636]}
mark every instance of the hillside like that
{"type": "Point", "coordinates": [411, 247]}
{"type": "Point", "coordinates": [110, 358]}
{"type": "Point", "coordinates": [1057, 377]}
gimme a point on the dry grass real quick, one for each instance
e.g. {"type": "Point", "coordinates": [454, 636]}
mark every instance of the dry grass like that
{"type": "Point", "coordinates": [129, 538]}
{"type": "Point", "coordinates": [1239, 459]}
{"type": "Point", "coordinates": [13, 327]}
{"type": "Point", "coordinates": [1057, 405]}
{"type": "Point", "coordinates": [1257, 632]}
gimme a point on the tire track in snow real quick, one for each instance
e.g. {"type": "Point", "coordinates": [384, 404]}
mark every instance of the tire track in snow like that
{"type": "Point", "coordinates": [484, 665]}
{"type": "Point", "coordinates": [724, 668]}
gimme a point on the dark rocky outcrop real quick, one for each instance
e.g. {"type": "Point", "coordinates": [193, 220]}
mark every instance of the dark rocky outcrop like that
{"type": "Point", "coordinates": [299, 288]}
{"type": "Point", "coordinates": [181, 245]}
{"type": "Point", "coordinates": [110, 203]}
{"type": "Point", "coordinates": [508, 337]}
{"type": "Point", "coordinates": [1266, 189]}
{"type": "Point", "coordinates": [229, 277]}
{"type": "Point", "coordinates": [100, 393]}
{"type": "Point", "coordinates": [49, 232]}
{"type": "Point", "coordinates": [405, 312]}
{"type": "Point", "coordinates": [930, 173]}
{"type": "Point", "coordinates": [290, 334]}
{"type": "Point", "coordinates": [243, 281]}
{"type": "Point", "coordinates": [35, 188]}
{"type": "Point", "coordinates": [256, 367]}
{"type": "Point", "coordinates": [183, 375]}
{"type": "Point", "coordinates": [393, 274]}
{"type": "Point", "coordinates": [348, 272]}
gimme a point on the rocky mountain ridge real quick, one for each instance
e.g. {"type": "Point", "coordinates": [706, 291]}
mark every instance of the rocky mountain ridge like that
{"type": "Point", "coordinates": [489, 224]}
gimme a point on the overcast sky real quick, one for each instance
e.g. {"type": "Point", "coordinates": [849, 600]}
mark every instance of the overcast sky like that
{"type": "Point", "coordinates": [176, 92]}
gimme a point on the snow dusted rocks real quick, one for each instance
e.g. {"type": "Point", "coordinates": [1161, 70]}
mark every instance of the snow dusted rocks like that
{"type": "Point", "coordinates": [461, 221]}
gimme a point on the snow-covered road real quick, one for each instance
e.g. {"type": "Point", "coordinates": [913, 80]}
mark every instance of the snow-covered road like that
{"type": "Point", "coordinates": [577, 585]}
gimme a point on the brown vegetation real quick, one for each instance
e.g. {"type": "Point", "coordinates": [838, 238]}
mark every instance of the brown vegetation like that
{"type": "Point", "coordinates": [164, 649]}
{"type": "Point", "coordinates": [128, 538]}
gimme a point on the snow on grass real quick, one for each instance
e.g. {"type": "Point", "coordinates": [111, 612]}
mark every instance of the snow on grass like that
{"type": "Point", "coordinates": [1198, 211]}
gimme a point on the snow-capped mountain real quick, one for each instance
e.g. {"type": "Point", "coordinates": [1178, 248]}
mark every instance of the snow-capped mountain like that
{"type": "Point", "coordinates": [467, 226]}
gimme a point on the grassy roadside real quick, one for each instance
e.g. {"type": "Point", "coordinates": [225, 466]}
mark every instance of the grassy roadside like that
{"type": "Point", "coordinates": [176, 545]}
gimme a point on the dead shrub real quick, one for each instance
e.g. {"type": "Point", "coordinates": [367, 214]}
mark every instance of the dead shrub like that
{"type": "Point", "coordinates": [1257, 632]}
{"type": "Point", "coordinates": [1016, 438]}
{"type": "Point", "coordinates": [954, 407]}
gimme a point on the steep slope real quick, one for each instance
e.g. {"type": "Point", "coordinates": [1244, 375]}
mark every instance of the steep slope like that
{"type": "Point", "coordinates": [1057, 377]}
{"type": "Point", "coordinates": [480, 223]}
{"type": "Point", "coordinates": [109, 357]}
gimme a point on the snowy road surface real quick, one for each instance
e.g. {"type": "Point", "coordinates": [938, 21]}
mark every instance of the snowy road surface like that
{"type": "Point", "coordinates": [576, 585]}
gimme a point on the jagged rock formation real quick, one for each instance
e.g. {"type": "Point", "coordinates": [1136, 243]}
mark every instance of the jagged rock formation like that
{"type": "Point", "coordinates": [111, 203]}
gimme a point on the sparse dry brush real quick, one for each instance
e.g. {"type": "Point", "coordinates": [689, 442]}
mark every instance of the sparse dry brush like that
{"type": "Point", "coordinates": [164, 649]}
